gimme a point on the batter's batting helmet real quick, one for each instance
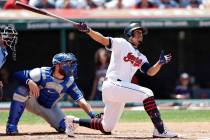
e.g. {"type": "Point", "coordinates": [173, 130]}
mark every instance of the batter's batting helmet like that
{"type": "Point", "coordinates": [133, 26]}
{"type": "Point", "coordinates": [9, 36]}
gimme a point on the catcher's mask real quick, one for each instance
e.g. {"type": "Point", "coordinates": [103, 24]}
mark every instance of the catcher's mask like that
{"type": "Point", "coordinates": [128, 31]}
{"type": "Point", "coordinates": [68, 63]}
{"type": "Point", "coordinates": [9, 37]}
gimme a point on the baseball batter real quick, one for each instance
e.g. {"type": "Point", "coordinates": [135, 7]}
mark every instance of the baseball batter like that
{"type": "Point", "coordinates": [117, 89]}
{"type": "Point", "coordinates": [41, 88]}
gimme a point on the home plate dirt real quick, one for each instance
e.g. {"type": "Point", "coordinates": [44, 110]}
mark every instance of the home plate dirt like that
{"type": "Point", "coordinates": [124, 131]}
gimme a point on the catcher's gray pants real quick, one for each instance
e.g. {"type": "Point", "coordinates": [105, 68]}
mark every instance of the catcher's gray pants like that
{"type": "Point", "coordinates": [52, 115]}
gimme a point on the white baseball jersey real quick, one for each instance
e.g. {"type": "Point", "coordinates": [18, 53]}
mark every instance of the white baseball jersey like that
{"type": "Point", "coordinates": [125, 60]}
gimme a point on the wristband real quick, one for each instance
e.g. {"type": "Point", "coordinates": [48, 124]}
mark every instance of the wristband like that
{"type": "Point", "coordinates": [27, 81]}
{"type": "Point", "coordinates": [91, 114]}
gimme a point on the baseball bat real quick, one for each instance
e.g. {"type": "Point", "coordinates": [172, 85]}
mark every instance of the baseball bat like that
{"type": "Point", "coordinates": [42, 12]}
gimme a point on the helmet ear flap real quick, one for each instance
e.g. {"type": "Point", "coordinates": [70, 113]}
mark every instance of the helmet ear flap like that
{"type": "Point", "coordinates": [132, 34]}
{"type": "Point", "coordinates": [127, 34]}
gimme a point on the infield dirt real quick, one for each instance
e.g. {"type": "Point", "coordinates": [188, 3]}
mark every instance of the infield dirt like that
{"type": "Point", "coordinates": [124, 131]}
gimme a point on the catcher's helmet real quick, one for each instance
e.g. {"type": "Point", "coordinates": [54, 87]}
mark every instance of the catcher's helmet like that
{"type": "Point", "coordinates": [67, 68]}
{"type": "Point", "coordinates": [133, 26]}
{"type": "Point", "coordinates": [9, 36]}
{"type": "Point", "coordinates": [63, 57]}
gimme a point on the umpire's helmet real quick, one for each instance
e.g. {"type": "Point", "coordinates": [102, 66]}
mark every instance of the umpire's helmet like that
{"type": "Point", "coordinates": [133, 26]}
{"type": "Point", "coordinates": [63, 57]}
{"type": "Point", "coordinates": [9, 36]}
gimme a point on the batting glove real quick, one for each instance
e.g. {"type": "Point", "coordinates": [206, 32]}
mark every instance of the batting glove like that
{"type": "Point", "coordinates": [82, 27]}
{"type": "Point", "coordinates": [100, 115]}
{"type": "Point", "coordinates": [95, 115]}
{"type": "Point", "coordinates": [164, 59]}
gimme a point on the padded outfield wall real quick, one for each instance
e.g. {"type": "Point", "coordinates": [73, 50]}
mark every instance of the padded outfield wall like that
{"type": "Point", "coordinates": [183, 32]}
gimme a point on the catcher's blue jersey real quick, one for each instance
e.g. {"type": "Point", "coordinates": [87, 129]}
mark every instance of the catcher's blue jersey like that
{"type": "Point", "coordinates": [3, 55]}
{"type": "Point", "coordinates": [51, 89]}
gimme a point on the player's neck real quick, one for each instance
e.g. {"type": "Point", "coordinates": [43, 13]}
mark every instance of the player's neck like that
{"type": "Point", "coordinates": [133, 44]}
{"type": "Point", "coordinates": [135, 47]}
{"type": "Point", "coordinates": [58, 76]}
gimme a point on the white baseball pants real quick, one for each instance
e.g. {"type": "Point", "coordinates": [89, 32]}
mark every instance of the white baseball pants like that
{"type": "Point", "coordinates": [115, 94]}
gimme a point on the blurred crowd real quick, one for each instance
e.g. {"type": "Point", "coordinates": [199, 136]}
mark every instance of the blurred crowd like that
{"type": "Point", "coordinates": [187, 87]}
{"type": "Point", "coordinates": [109, 4]}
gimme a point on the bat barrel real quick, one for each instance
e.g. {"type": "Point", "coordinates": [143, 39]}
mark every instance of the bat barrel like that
{"type": "Point", "coordinates": [42, 12]}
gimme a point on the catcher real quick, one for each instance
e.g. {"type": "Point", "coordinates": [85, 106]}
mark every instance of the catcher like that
{"type": "Point", "coordinates": [41, 88]}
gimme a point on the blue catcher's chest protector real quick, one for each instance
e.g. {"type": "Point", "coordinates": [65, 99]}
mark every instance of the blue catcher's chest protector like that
{"type": "Point", "coordinates": [51, 88]}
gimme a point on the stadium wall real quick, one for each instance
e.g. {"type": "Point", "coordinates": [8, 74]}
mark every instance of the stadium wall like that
{"type": "Point", "coordinates": [185, 35]}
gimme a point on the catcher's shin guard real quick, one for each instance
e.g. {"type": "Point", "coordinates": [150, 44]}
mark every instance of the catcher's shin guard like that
{"type": "Point", "coordinates": [11, 129]}
{"type": "Point", "coordinates": [62, 126]}
{"type": "Point", "coordinates": [95, 123]}
{"type": "Point", "coordinates": [16, 108]}
{"type": "Point", "coordinates": [151, 109]}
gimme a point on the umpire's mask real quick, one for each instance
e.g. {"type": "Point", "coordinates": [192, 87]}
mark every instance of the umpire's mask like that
{"type": "Point", "coordinates": [9, 37]}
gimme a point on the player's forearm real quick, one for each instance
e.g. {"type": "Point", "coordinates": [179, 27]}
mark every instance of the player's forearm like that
{"type": "Point", "coordinates": [154, 69]}
{"type": "Point", "coordinates": [85, 106]}
{"type": "Point", "coordinates": [99, 37]}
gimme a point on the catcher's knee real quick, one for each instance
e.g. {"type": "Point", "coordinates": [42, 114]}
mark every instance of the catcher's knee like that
{"type": "Point", "coordinates": [21, 94]}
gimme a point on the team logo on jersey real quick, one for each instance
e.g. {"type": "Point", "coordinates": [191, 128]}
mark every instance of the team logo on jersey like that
{"type": "Point", "coordinates": [55, 86]}
{"type": "Point", "coordinates": [134, 60]}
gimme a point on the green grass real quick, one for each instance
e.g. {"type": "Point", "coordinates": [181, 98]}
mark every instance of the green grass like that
{"type": "Point", "coordinates": [127, 116]}
{"type": "Point", "coordinates": [169, 115]}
